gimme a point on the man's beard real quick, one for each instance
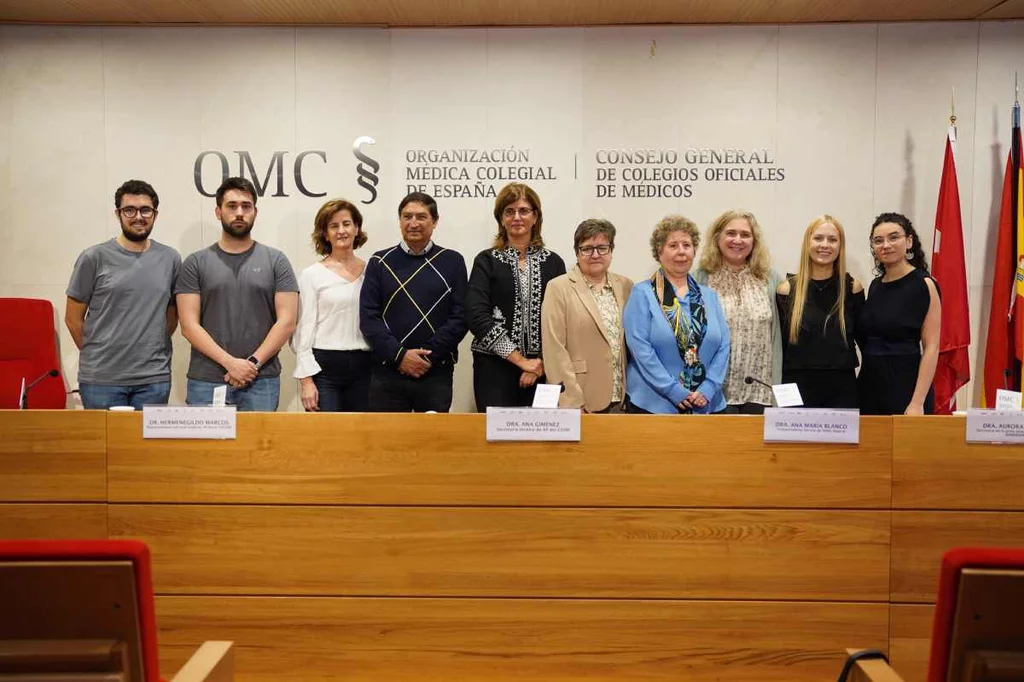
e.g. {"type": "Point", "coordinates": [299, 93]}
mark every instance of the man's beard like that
{"type": "Point", "coordinates": [135, 236]}
{"type": "Point", "coordinates": [235, 231]}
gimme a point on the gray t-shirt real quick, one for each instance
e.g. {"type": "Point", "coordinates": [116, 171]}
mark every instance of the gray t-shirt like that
{"type": "Point", "coordinates": [125, 340]}
{"type": "Point", "coordinates": [236, 302]}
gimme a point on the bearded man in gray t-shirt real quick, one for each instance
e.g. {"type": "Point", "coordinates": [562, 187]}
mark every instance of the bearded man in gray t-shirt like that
{"type": "Point", "coordinates": [238, 302]}
{"type": "Point", "coordinates": [121, 310]}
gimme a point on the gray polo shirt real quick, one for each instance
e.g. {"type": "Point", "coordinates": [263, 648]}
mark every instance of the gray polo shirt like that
{"type": "Point", "coordinates": [125, 340]}
{"type": "Point", "coordinates": [236, 302]}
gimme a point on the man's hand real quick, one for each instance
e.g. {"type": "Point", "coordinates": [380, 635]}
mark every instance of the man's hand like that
{"type": "Point", "coordinates": [415, 363]}
{"type": "Point", "coordinates": [240, 372]}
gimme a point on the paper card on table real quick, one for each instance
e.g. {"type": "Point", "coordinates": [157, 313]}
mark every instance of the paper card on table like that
{"type": "Point", "coordinates": [546, 395]}
{"type": "Point", "coordinates": [220, 396]}
{"type": "Point", "coordinates": [995, 426]}
{"type": "Point", "coordinates": [189, 421]}
{"type": "Point", "coordinates": [809, 425]}
{"type": "Point", "coordinates": [1007, 400]}
{"type": "Point", "coordinates": [787, 395]}
{"type": "Point", "coordinates": [527, 423]}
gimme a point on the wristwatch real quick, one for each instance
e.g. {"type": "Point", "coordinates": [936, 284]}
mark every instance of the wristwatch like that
{"type": "Point", "coordinates": [253, 360]}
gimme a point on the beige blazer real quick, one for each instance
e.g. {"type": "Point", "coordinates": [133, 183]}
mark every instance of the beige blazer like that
{"type": "Point", "coordinates": [575, 350]}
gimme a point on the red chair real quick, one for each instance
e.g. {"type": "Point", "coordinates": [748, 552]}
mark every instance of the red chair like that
{"type": "Point", "coordinates": [28, 350]}
{"type": "Point", "coordinates": [83, 610]}
{"type": "Point", "coordinates": [978, 630]}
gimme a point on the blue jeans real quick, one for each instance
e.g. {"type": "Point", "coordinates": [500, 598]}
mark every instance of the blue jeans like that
{"type": "Point", "coordinates": [97, 397]}
{"type": "Point", "coordinates": [261, 395]}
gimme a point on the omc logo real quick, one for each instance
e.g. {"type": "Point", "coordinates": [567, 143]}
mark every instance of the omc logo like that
{"type": "Point", "coordinates": [367, 168]}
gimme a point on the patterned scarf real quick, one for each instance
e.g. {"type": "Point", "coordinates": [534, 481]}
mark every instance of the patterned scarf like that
{"type": "Point", "coordinates": [689, 332]}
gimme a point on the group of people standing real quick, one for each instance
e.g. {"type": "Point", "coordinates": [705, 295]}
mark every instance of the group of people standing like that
{"type": "Point", "coordinates": [383, 334]}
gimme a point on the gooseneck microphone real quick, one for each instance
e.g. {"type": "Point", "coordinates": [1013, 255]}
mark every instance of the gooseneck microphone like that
{"type": "Point", "coordinates": [754, 380]}
{"type": "Point", "coordinates": [1006, 379]}
{"type": "Point", "coordinates": [24, 395]}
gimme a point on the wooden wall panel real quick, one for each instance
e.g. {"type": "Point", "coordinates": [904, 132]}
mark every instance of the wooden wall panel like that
{"type": "Point", "coordinates": [53, 521]}
{"type": "Point", "coordinates": [53, 456]}
{"type": "Point", "coordinates": [498, 640]}
{"type": "Point", "coordinates": [910, 630]}
{"type": "Point", "coordinates": [920, 538]}
{"type": "Point", "coordinates": [379, 459]}
{"type": "Point", "coordinates": [933, 467]}
{"type": "Point", "coordinates": [733, 554]}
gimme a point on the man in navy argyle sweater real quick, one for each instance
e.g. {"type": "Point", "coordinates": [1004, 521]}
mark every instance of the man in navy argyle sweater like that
{"type": "Point", "coordinates": [411, 311]}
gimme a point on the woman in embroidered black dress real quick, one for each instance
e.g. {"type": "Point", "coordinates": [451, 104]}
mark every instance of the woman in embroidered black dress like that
{"type": "Point", "coordinates": [506, 287]}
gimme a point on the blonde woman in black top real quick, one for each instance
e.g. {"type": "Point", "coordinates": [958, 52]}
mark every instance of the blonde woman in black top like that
{"type": "Point", "coordinates": [818, 310]}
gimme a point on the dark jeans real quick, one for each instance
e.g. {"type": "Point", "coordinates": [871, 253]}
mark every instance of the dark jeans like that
{"type": "Point", "coordinates": [343, 382]}
{"type": "Point", "coordinates": [391, 391]}
{"type": "Point", "coordinates": [496, 383]}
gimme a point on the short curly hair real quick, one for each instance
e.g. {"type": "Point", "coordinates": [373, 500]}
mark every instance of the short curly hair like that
{"type": "Point", "coordinates": [668, 225]}
{"type": "Point", "coordinates": [320, 241]}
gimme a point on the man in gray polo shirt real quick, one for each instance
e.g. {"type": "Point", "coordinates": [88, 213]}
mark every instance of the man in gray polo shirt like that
{"type": "Point", "coordinates": [238, 301]}
{"type": "Point", "coordinates": [120, 309]}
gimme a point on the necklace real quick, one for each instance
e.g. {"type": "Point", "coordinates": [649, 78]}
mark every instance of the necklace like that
{"type": "Point", "coordinates": [821, 284]}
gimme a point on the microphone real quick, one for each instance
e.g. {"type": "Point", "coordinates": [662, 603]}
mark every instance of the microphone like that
{"type": "Point", "coordinates": [24, 395]}
{"type": "Point", "coordinates": [753, 380]}
{"type": "Point", "coordinates": [1006, 379]}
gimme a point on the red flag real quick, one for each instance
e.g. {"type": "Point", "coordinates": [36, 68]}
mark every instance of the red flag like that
{"type": "Point", "coordinates": [1002, 347]}
{"type": "Point", "coordinates": [953, 369]}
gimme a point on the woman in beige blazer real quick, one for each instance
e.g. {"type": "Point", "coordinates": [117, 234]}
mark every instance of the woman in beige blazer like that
{"type": "Point", "coordinates": [581, 324]}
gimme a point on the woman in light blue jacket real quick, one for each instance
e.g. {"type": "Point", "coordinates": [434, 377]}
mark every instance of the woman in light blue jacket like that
{"type": "Point", "coordinates": [676, 332]}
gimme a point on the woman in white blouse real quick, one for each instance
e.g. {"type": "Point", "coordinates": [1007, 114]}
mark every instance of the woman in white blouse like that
{"type": "Point", "coordinates": [332, 357]}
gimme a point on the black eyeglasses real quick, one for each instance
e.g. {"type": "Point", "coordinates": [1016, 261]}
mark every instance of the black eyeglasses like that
{"type": "Point", "coordinates": [600, 250]}
{"type": "Point", "coordinates": [132, 211]}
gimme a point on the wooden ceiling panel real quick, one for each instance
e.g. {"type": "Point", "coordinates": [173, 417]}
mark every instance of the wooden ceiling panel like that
{"type": "Point", "coordinates": [498, 12]}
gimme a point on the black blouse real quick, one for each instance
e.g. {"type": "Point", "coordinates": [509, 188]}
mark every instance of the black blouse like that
{"type": "Point", "coordinates": [820, 344]}
{"type": "Point", "coordinates": [503, 302]}
{"type": "Point", "coordinates": [893, 317]}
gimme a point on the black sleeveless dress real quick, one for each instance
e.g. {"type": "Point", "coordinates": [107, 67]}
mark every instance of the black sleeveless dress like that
{"type": "Point", "coordinates": [889, 336]}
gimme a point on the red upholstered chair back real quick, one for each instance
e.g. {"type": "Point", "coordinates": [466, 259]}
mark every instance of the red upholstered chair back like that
{"type": "Point", "coordinates": [81, 590]}
{"type": "Point", "coordinates": [28, 349]}
{"type": "Point", "coordinates": [954, 563]}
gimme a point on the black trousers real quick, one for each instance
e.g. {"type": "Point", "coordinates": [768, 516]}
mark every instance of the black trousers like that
{"type": "Point", "coordinates": [496, 383]}
{"type": "Point", "coordinates": [391, 391]}
{"type": "Point", "coordinates": [344, 380]}
{"type": "Point", "coordinates": [832, 388]}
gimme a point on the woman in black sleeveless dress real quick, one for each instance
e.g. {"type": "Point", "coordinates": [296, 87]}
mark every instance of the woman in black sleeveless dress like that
{"type": "Point", "coordinates": [818, 350]}
{"type": "Point", "coordinates": [898, 328]}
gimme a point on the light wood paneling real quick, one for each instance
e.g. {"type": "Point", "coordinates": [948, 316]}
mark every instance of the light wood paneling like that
{"type": "Point", "coordinates": [933, 467]}
{"type": "Point", "coordinates": [732, 554]}
{"type": "Point", "coordinates": [386, 459]}
{"type": "Point", "coordinates": [53, 456]}
{"type": "Point", "coordinates": [53, 521]}
{"type": "Point", "coordinates": [920, 538]}
{"type": "Point", "coordinates": [496, 12]}
{"type": "Point", "coordinates": [910, 639]}
{"type": "Point", "coordinates": [500, 640]}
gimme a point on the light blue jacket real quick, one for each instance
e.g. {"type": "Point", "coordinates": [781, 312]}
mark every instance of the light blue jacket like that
{"type": "Point", "coordinates": [652, 371]}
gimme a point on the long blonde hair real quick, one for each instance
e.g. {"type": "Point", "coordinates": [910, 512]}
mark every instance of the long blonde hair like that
{"type": "Point", "coordinates": [711, 260]}
{"type": "Point", "coordinates": [803, 279]}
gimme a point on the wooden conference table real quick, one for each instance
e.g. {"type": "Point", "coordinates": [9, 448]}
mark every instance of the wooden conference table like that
{"type": "Point", "coordinates": [405, 547]}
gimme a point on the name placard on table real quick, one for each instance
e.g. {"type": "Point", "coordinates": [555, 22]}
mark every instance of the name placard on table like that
{"type": "Point", "coordinates": [995, 426]}
{"type": "Point", "coordinates": [796, 425]}
{"type": "Point", "coordinates": [189, 421]}
{"type": "Point", "coordinates": [527, 423]}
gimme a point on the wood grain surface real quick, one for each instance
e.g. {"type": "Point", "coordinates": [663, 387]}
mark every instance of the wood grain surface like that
{"type": "Point", "coordinates": [53, 456]}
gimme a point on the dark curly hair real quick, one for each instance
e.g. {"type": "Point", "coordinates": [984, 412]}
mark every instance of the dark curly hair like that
{"type": "Point", "coordinates": [917, 258]}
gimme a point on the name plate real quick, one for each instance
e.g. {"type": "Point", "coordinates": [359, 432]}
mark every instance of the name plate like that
{"type": "Point", "coordinates": [187, 421]}
{"type": "Point", "coordinates": [995, 426]}
{"type": "Point", "coordinates": [785, 425]}
{"type": "Point", "coordinates": [525, 423]}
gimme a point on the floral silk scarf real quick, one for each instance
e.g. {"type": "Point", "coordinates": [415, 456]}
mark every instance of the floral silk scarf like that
{"type": "Point", "coordinates": [689, 332]}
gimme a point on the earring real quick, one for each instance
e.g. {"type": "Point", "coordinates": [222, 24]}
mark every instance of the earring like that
{"type": "Point", "coordinates": [910, 256]}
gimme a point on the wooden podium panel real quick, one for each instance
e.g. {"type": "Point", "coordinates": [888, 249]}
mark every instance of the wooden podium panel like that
{"type": "Point", "coordinates": [935, 468]}
{"type": "Point", "coordinates": [510, 640]}
{"type": "Point", "coordinates": [53, 456]}
{"type": "Point", "coordinates": [53, 521]}
{"type": "Point", "coordinates": [422, 459]}
{"type": "Point", "coordinates": [592, 552]}
{"type": "Point", "coordinates": [920, 538]}
{"type": "Point", "coordinates": [910, 640]}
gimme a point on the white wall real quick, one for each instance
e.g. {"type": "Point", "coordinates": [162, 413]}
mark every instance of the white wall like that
{"type": "Point", "coordinates": [854, 114]}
